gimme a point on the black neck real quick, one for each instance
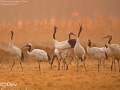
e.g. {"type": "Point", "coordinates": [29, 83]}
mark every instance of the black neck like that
{"type": "Point", "coordinates": [69, 37]}
{"type": "Point", "coordinates": [106, 46]}
{"type": "Point", "coordinates": [11, 36]}
{"type": "Point", "coordinates": [54, 33]}
{"type": "Point", "coordinates": [29, 49]}
{"type": "Point", "coordinates": [89, 43]}
{"type": "Point", "coordinates": [79, 31]}
{"type": "Point", "coordinates": [109, 41]}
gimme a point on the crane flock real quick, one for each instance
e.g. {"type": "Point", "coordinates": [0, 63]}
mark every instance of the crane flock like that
{"type": "Point", "coordinates": [64, 48]}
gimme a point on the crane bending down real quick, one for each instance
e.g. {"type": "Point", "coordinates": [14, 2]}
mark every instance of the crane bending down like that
{"type": "Point", "coordinates": [96, 53]}
{"type": "Point", "coordinates": [60, 55]}
{"type": "Point", "coordinates": [15, 52]}
{"type": "Point", "coordinates": [79, 50]}
{"type": "Point", "coordinates": [38, 54]}
{"type": "Point", "coordinates": [115, 51]}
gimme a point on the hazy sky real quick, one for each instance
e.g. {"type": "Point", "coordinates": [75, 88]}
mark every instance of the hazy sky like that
{"type": "Point", "coordinates": [57, 9]}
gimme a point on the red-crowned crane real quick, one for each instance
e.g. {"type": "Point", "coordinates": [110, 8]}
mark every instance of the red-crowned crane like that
{"type": "Point", "coordinates": [96, 53]}
{"type": "Point", "coordinates": [15, 52]}
{"type": "Point", "coordinates": [115, 51]}
{"type": "Point", "coordinates": [64, 47]}
{"type": "Point", "coordinates": [79, 50]}
{"type": "Point", "coordinates": [38, 54]}
{"type": "Point", "coordinates": [60, 55]}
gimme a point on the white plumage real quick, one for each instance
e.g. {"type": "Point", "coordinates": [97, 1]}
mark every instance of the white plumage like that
{"type": "Point", "coordinates": [63, 47]}
{"type": "Point", "coordinates": [79, 50]}
{"type": "Point", "coordinates": [107, 50]}
{"type": "Point", "coordinates": [63, 54]}
{"type": "Point", "coordinates": [96, 53]}
{"type": "Point", "coordinates": [115, 51]}
{"type": "Point", "coordinates": [15, 52]}
{"type": "Point", "coordinates": [60, 46]}
{"type": "Point", "coordinates": [39, 55]}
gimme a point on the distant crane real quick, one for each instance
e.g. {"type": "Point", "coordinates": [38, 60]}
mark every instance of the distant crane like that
{"type": "Point", "coordinates": [109, 54]}
{"type": "Point", "coordinates": [38, 54]}
{"type": "Point", "coordinates": [15, 52]}
{"type": "Point", "coordinates": [96, 53]}
{"type": "Point", "coordinates": [79, 50]}
{"type": "Point", "coordinates": [115, 51]}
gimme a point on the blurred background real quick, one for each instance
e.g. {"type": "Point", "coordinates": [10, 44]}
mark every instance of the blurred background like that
{"type": "Point", "coordinates": [32, 20]}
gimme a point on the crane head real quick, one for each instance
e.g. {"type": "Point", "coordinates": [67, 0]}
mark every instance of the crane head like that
{"type": "Point", "coordinates": [12, 35]}
{"type": "Point", "coordinates": [29, 45]}
{"type": "Point", "coordinates": [71, 33]}
{"type": "Point", "coordinates": [12, 32]}
{"type": "Point", "coordinates": [80, 29]}
{"type": "Point", "coordinates": [89, 42]}
{"type": "Point", "coordinates": [108, 36]}
{"type": "Point", "coordinates": [55, 27]}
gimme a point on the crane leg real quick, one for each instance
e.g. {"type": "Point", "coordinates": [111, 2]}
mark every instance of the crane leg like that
{"type": "Point", "coordinates": [77, 65]}
{"type": "Point", "coordinates": [99, 62]}
{"type": "Point", "coordinates": [21, 65]}
{"type": "Point", "coordinates": [69, 62]}
{"type": "Point", "coordinates": [118, 65]}
{"type": "Point", "coordinates": [112, 64]}
{"type": "Point", "coordinates": [84, 65]}
{"type": "Point", "coordinates": [53, 60]}
{"type": "Point", "coordinates": [104, 63]}
{"type": "Point", "coordinates": [13, 63]}
{"type": "Point", "coordinates": [59, 64]}
{"type": "Point", "coordinates": [64, 62]}
{"type": "Point", "coordinates": [39, 67]}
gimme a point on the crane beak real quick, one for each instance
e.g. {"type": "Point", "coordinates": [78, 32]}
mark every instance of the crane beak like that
{"type": "Point", "coordinates": [74, 34]}
{"type": "Point", "coordinates": [105, 37]}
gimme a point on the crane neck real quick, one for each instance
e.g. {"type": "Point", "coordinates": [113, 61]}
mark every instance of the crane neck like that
{"type": "Point", "coordinates": [69, 37]}
{"type": "Point", "coordinates": [29, 49]}
{"type": "Point", "coordinates": [54, 33]}
{"type": "Point", "coordinates": [109, 41]}
{"type": "Point", "coordinates": [89, 43]}
{"type": "Point", "coordinates": [79, 32]}
{"type": "Point", "coordinates": [106, 46]}
{"type": "Point", "coordinates": [11, 36]}
{"type": "Point", "coordinates": [11, 39]}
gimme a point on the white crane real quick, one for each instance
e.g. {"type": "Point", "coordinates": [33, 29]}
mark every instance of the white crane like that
{"type": "Point", "coordinates": [60, 46]}
{"type": "Point", "coordinates": [64, 47]}
{"type": "Point", "coordinates": [109, 54]}
{"type": "Point", "coordinates": [59, 55]}
{"type": "Point", "coordinates": [115, 51]}
{"type": "Point", "coordinates": [107, 50]}
{"type": "Point", "coordinates": [79, 50]}
{"type": "Point", "coordinates": [15, 52]}
{"type": "Point", "coordinates": [96, 53]}
{"type": "Point", "coordinates": [38, 54]}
